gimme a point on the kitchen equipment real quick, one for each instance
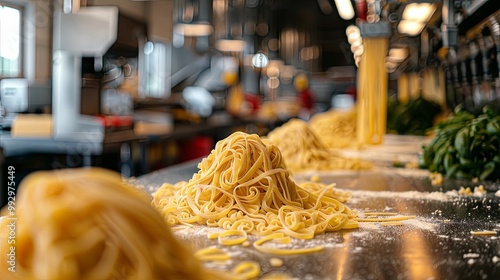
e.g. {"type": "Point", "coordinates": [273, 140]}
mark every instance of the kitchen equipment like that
{"type": "Point", "coordinates": [14, 95]}
{"type": "Point", "coordinates": [114, 100]}
{"type": "Point", "coordinates": [13, 99]}
{"type": "Point", "coordinates": [115, 72]}
{"type": "Point", "coordinates": [17, 96]}
{"type": "Point", "coordinates": [89, 32]}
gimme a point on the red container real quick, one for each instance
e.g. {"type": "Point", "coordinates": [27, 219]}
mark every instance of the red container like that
{"type": "Point", "coordinates": [197, 147]}
{"type": "Point", "coordinates": [361, 9]}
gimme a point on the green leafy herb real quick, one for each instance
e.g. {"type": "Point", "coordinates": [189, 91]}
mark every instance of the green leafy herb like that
{"type": "Point", "coordinates": [465, 146]}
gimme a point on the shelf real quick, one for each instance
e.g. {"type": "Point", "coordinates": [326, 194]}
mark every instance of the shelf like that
{"type": "Point", "coordinates": [476, 13]}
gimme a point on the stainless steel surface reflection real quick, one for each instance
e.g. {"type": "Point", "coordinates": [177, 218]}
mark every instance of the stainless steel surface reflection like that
{"type": "Point", "coordinates": [437, 244]}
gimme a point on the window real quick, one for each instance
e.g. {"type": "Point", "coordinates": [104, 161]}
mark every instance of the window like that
{"type": "Point", "coordinates": [10, 40]}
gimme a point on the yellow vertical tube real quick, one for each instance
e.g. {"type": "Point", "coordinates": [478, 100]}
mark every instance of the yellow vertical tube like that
{"type": "Point", "coordinates": [372, 92]}
{"type": "Point", "coordinates": [414, 85]}
{"type": "Point", "coordinates": [403, 95]}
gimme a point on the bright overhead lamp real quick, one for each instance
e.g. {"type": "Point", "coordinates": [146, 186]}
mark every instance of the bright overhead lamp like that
{"type": "Point", "coordinates": [193, 29]}
{"type": "Point", "coordinates": [228, 45]}
{"type": "Point", "coordinates": [345, 9]}
{"type": "Point", "coordinates": [357, 60]}
{"type": "Point", "coordinates": [391, 66]}
{"type": "Point", "coordinates": [354, 37]}
{"type": "Point", "coordinates": [359, 51]}
{"type": "Point", "coordinates": [260, 60]}
{"type": "Point", "coordinates": [397, 54]}
{"type": "Point", "coordinates": [411, 28]}
{"type": "Point", "coordinates": [420, 12]}
{"type": "Point", "coordinates": [415, 17]}
{"type": "Point", "coordinates": [356, 45]}
{"type": "Point", "coordinates": [352, 29]}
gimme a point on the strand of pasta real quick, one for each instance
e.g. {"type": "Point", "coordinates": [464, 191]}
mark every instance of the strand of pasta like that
{"type": "Point", "coordinates": [246, 270]}
{"type": "Point", "coordinates": [211, 254]}
{"type": "Point", "coordinates": [245, 185]}
{"type": "Point", "coordinates": [316, 188]}
{"type": "Point", "coordinates": [223, 240]}
{"type": "Point", "coordinates": [371, 103]}
{"type": "Point", "coordinates": [484, 232]}
{"type": "Point", "coordinates": [281, 238]}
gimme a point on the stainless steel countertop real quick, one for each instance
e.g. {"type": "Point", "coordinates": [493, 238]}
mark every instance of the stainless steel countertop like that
{"type": "Point", "coordinates": [437, 244]}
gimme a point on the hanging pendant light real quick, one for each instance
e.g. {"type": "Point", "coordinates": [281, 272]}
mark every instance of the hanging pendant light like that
{"type": "Point", "coordinates": [230, 33]}
{"type": "Point", "coordinates": [345, 9]}
{"type": "Point", "coordinates": [415, 17]}
{"type": "Point", "coordinates": [193, 18]}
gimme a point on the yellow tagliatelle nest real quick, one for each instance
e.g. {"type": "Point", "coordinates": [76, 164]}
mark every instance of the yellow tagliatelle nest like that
{"type": "Point", "coordinates": [303, 150]}
{"type": "Point", "coordinates": [88, 224]}
{"type": "Point", "coordinates": [336, 128]}
{"type": "Point", "coordinates": [244, 185]}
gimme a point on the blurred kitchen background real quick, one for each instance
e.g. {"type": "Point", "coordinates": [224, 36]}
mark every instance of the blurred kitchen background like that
{"type": "Point", "coordinates": [137, 85]}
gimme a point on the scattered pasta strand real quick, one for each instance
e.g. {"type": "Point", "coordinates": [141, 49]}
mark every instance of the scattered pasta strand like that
{"type": "Point", "coordinates": [211, 254]}
{"type": "Point", "coordinates": [213, 235]}
{"type": "Point", "coordinates": [484, 232]}
{"type": "Point", "coordinates": [246, 270]}
{"type": "Point", "coordinates": [223, 240]}
{"type": "Point", "coordinates": [280, 237]}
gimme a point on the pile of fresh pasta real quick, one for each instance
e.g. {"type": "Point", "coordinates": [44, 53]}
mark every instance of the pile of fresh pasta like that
{"type": "Point", "coordinates": [245, 185]}
{"type": "Point", "coordinates": [303, 149]}
{"type": "Point", "coordinates": [88, 224]}
{"type": "Point", "coordinates": [336, 128]}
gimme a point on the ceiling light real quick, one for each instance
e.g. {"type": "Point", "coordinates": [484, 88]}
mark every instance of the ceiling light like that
{"type": "Point", "coordinates": [352, 29]}
{"type": "Point", "coordinates": [260, 60]}
{"type": "Point", "coordinates": [353, 37]}
{"type": "Point", "coordinates": [409, 27]}
{"type": "Point", "coordinates": [227, 45]}
{"type": "Point", "coordinates": [415, 17]}
{"type": "Point", "coordinates": [397, 54]}
{"type": "Point", "coordinates": [357, 60]}
{"type": "Point", "coordinates": [356, 45]}
{"type": "Point", "coordinates": [391, 66]}
{"type": "Point", "coordinates": [420, 12]}
{"type": "Point", "coordinates": [359, 51]}
{"type": "Point", "coordinates": [344, 7]}
{"type": "Point", "coordinates": [193, 29]}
